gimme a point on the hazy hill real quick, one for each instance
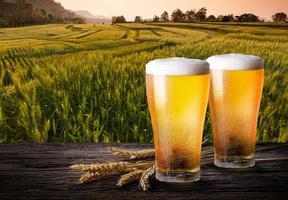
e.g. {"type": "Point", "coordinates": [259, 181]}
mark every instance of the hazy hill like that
{"type": "Point", "coordinates": [14, 13]}
{"type": "Point", "coordinates": [90, 18]}
{"type": "Point", "coordinates": [50, 6]}
{"type": "Point", "coordinates": [84, 13]}
{"type": "Point", "coordinates": [57, 9]}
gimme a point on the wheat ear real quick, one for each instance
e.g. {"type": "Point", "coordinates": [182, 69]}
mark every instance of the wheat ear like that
{"type": "Point", "coordinates": [91, 176]}
{"type": "Point", "coordinates": [98, 170]}
{"type": "Point", "coordinates": [94, 171]}
{"type": "Point", "coordinates": [129, 178]}
{"type": "Point", "coordinates": [106, 167]}
{"type": "Point", "coordinates": [149, 153]}
{"type": "Point", "coordinates": [144, 183]}
{"type": "Point", "coordinates": [78, 166]}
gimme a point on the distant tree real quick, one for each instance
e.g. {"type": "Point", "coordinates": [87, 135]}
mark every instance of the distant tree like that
{"type": "Point", "coordinates": [122, 19]}
{"type": "Point", "coordinates": [118, 19]}
{"type": "Point", "coordinates": [190, 15]}
{"type": "Point", "coordinates": [2, 7]}
{"type": "Point", "coordinates": [231, 18]}
{"type": "Point", "coordinates": [138, 19]}
{"type": "Point", "coordinates": [228, 18]}
{"type": "Point", "coordinates": [50, 19]}
{"type": "Point", "coordinates": [177, 16]}
{"type": "Point", "coordinates": [165, 16]}
{"type": "Point", "coordinates": [237, 18]}
{"type": "Point", "coordinates": [201, 14]}
{"type": "Point", "coordinates": [3, 22]}
{"type": "Point", "coordinates": [219, 18]}
{"type": "Point", "coordinates": [211, 18]}
{"type": "Point", "coordinates": [225, 18]}
{"type": "Point", "coordinates": [3, 18]}
{"type": "Point", "coordinates": [43, 12]}
{"type": "Point", "coordinates": [114, 19]}
{"type": "Point", "coordinates": [248, 18]}
{"type": "Point", "coordinates": [19, 13]}
{"type": "Point", "coordinates": [156, 18]}
{"type": "Point", "coordinates": [39, 16]}
{"type": "Point", "coordinates": [280, 17]}
{"type": "Point", "coordinates": [78, 20]}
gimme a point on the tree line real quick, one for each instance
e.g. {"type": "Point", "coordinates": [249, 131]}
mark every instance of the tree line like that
{"type": "Point", "coordinates": [22, 13]}
{"type": "Point", "coordinates": [201, 16]}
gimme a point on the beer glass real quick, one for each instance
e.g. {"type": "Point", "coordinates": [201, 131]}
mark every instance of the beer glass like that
{"type": "Point", "coordinates": [236, 90]}
{"type": "Point", "coordinates": [178, 93]}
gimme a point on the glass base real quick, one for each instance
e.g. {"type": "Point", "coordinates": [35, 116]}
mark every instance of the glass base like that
{"type": "Point", "coordinates": [234, 162]}
{"type": "Point", "coordinates": [177, 176]}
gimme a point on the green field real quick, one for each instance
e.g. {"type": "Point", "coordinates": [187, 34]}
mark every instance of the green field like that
{"type": "Point", "coordinates": [86, 83]}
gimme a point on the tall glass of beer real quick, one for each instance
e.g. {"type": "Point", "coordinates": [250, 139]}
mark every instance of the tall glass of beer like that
{"type": "Point", "coordinates": [178, 93]}
{"type": "Point", "coordinates": [236, 90]}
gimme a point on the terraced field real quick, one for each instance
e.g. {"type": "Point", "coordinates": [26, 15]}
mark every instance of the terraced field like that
{"type": "Point", "coordinates": [48, 40]}
{"type": "Point", "coordinates": [86, 83]}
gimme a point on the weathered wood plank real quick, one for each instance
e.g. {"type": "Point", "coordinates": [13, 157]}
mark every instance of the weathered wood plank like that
{"type": "Point", "coordinates": [41, 172]}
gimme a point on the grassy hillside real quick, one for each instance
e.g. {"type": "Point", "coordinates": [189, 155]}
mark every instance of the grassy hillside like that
{"type": "Point", "coordinates": [50, 6]}
{"type": "Point", "coordinates": [82, 83]}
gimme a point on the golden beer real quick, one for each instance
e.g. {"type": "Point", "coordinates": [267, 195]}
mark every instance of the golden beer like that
{"type": "Point", "coordinates": [178, 92]}
{"type": "Point", "coordinates": [236, 90]}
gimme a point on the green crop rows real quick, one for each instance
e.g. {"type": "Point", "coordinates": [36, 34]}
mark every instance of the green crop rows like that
{"type": "Point", "coordinates": [86, 83]}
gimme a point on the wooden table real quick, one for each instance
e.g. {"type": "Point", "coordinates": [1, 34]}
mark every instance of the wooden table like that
{"type": "Point", "coordinates": [41, 172]}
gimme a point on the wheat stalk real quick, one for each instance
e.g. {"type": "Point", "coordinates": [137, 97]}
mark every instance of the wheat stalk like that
{"type": "Point", "coordinates": [207, 152]}
{"type": "Point", "coordinates": [272, 159]}
{"type": "Point", "coordinates": [130, 177]}
{"type": "Point", "coordinates": [149, 153]}
{"type": "Point", "coordinates": [271, 148]}
{"type": "Point", "coordinates": [144, 183]}
{"type": "Point", "coordinates": [205, 142]}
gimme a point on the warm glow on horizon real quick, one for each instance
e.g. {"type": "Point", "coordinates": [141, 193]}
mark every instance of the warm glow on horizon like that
{"type": "Point", "coordinates": [148, 8]}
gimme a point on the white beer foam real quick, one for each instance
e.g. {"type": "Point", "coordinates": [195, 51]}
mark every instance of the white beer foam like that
{"type": "Point", "coordinates": [235, 62]}
{"type": "Point", "coordinates": [178, 67]}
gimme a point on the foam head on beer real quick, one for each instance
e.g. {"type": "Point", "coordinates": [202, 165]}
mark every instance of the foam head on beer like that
{"type": "Point", "coordinates": [177, 66]}
{"type": "Point", "coordinates": [235, 62]}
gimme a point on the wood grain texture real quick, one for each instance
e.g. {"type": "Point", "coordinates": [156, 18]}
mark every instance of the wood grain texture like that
{"type": "Point", "coordinates": [41, 172]}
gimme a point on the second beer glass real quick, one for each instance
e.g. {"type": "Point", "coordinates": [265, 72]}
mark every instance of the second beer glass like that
{"type": "Point", "coordinates": [177, 91]}
{"type": "Point", "coordinates": [236, 91]}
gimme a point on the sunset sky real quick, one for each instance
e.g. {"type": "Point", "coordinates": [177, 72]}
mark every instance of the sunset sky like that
{"type": "Point", "coordinates": [147, 8]}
